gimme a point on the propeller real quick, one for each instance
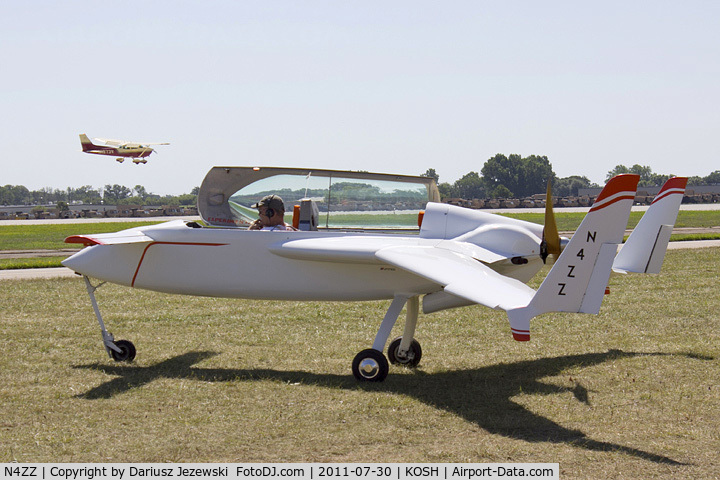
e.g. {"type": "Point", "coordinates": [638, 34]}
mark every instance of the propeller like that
{"type": "Point", "coordinates": [550, 244]}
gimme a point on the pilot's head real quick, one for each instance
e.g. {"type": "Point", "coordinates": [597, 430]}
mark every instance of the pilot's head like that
{"type": "Point", "coordinates": [271, 209]}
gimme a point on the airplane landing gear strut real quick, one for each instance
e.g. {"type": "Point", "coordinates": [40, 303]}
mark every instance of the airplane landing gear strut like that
{"type": "Point", "coordinates": [371, 365]}
{"type": "Point", "coordinates": [120, 350]}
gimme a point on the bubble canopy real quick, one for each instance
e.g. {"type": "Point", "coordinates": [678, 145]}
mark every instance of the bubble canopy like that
{"type": "Point", "coordinates": [344, 198]}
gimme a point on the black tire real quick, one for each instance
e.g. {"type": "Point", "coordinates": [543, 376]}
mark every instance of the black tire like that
{"type": "Point", "coordinates": [370, 366]}
{"type": "Point", "coordinates": [127, 351]}
{"type": "Point", "coordinates": [411, 360]}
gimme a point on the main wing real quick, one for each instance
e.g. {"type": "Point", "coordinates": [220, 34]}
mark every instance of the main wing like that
{"type": "Point", "coordinates": [110, 142]}
{"type": "Point", "coordinates": [460, 275]}
{"type": "Point", "coordinates": [455, 266]}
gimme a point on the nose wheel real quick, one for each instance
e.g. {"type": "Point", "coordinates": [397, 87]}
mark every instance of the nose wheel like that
{"type": "Point", "coordinates": [126, 353]}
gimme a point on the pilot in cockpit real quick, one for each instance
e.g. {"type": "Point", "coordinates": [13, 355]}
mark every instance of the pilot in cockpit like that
{"type": "Point", "coordinates": [271, 214]}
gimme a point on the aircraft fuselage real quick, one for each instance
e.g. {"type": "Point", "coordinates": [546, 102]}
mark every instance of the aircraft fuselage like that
{"type": "Point", "coordinates": [121, 152]}
{"type": "Point", "coordinates": [239, 263]}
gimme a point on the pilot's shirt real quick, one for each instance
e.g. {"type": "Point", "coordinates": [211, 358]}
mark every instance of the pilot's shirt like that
{"type": "Point", "coordinates": [278, 228]}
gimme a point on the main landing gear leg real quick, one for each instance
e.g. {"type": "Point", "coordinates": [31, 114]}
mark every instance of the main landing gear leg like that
{"type": "Point", "coordinates": [121, 350]}
{"type": "Point", "coordinates": [406, 350]}
{"type": "Point", "coordinates": [371, 365]}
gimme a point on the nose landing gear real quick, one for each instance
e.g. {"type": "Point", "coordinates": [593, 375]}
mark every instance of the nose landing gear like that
{"type": "Point", "coordinates": [118, 350]}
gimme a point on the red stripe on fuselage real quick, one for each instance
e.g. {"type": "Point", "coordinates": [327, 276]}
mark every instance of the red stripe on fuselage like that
{"type": "Point", "coordinates": [137, 270]}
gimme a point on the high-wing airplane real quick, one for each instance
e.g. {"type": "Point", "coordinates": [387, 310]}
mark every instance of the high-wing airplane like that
{"type": "Point", "coordinates": [456, 256]}
{"type": "Point", "coordinates": [118, 148]}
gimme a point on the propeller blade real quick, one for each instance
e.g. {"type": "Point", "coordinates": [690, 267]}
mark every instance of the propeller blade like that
{"type": "Point", "coordinates": [550, 244]}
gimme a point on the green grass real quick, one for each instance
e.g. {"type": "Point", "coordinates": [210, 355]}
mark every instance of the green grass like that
{"type": "Point", "coordinates": [630, 393]}
{"type": "Point", "coordinates": [687, 237]}
{"type": "Point", "coordinates": [34, 262]}
{"type": "Point", "coordinates": [52, 236]}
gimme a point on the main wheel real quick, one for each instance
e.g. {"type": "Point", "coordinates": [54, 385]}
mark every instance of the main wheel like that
{"type": "Point", "coordinates": [370, 366]}
{"type": "Point", "coordinates": [127, 351]}
{"type": "Point", "coordinates": [412, 357]}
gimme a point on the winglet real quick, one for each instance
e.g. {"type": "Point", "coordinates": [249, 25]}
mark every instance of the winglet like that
{"type": "Point", "coordinates": [644, 251]}
{"type": "Point", "coordinates": [83, 239]}
{"type": "Point", "coordinates": [577, 281]}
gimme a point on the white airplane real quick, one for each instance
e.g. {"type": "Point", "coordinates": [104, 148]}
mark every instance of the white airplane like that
{"type": "Point", "coordinates": [457, 257]}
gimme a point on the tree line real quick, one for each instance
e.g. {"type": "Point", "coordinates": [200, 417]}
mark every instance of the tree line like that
{"type": "Point", "coordinates": [108, 195]}
{"type": "Point", "coordinates": [501, 176]}
{"type": "Point", "coordinates": [514, 176]}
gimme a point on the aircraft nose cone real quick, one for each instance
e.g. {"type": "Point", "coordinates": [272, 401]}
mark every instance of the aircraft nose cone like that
{"type": "Point", "coordinates": [72, 261]}
{"type": "Point", "coordinates": [110, 263]}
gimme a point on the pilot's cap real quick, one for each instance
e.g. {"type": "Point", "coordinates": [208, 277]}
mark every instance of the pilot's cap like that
{"type": "Point", "coordinates": [270, 201]}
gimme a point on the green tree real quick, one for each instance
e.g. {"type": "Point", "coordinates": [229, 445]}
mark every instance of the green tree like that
{"type": "Point", "coordinates": [501, 191]}
{"type": "Point", "coordinates": [569, 186]}
{"type": "Point", "coordinates": [469, 186]}
{"type": "Point", "coordinates": [618, 170]}
{"type": "Point", "coordinates": [15, 195]}
{"type": "Point", "coordinates": [446, 190]}
{"type": "Point", "coordinates": [536, 171]}
{"type": "Point", "coordinates": [115, 193]}
{"type": "Point", "coordinates": [85, 194]}
{"type": "Point", "coordinates": [140, 191]}
{"type": "Point", "coordinates": [713, 178]}
{"type": "Point", "coordinates": [695, 180]}
{"type": "Point", "coordinates": [501, 170]}
{"type": "Point", "coordinates": [647, 177]}
{"type": "Point", "coordinates": [522, 176]}
{"type": "Point", "coordinates": [432, 174]}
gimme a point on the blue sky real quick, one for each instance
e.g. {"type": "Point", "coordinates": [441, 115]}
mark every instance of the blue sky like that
{"type": "Point", "coordinates": [393, 87]}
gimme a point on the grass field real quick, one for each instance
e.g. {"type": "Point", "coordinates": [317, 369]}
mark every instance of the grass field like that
{"type": "Point", "coordinates": [631, 393]}
{"type": "Point", "coordinates": [52, 236]}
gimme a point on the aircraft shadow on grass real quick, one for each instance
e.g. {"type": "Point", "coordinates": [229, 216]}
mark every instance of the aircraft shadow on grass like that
{"type": "Point", "coordinates": [482, 396]}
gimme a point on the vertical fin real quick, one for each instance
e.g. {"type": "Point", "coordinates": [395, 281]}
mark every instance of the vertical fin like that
{"type": "Point", "coordinates": [85, 142]}
{"type": "Point", "coordinates": [644, 250]}
{"type": "Point", "coordinates": [578, 279]}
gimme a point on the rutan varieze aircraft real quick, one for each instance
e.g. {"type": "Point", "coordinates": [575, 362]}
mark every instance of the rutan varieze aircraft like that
{"type": "Point", "coordinates": [352, 243]}
{"type": "Point", "coordinates": [118, 148]}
